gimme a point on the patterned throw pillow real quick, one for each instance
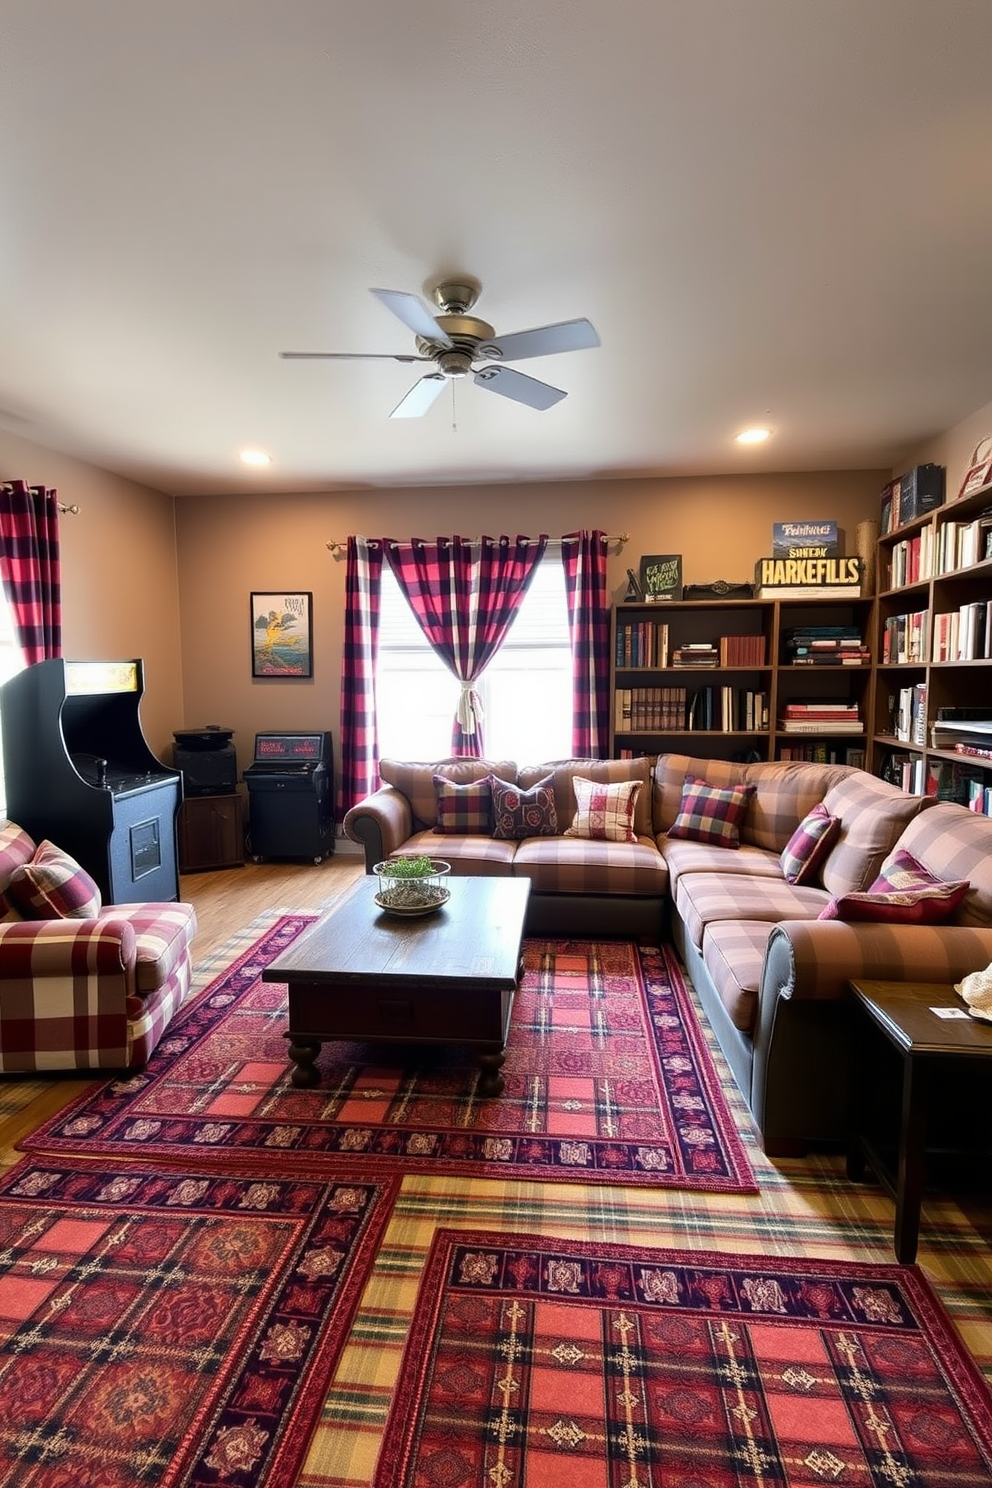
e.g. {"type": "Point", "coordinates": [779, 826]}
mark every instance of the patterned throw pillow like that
{"type": "Point", "coordinates": [711, 814]}
{"type": "Point", "coordinates": [53, 887]}
{"type": "Point", "coordinates": [463, 810]}
{"type": "Point", "coordinates": [809, 845]}
{"type": "Point", "coordinates": [604, 812]}
{"type": "Point", "coordinates": [16, 849]}
{"type": "Point", "coordinates": [524, 813]}
{"type": "Point", "coordinates": [904, 893]}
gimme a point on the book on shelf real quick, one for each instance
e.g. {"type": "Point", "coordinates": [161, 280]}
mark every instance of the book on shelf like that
{"type": "Point", "coordinates": [742, 650]}
{"type": "Point", "coordinates": [974, 751]}
{"type": "Point", "coordinates": [832, 725]}
{"type": "Point", "coordinates": [641, 644]}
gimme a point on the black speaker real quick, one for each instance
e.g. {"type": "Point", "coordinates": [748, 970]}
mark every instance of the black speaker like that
{"type": "Point", "coordinates": [208, 761]}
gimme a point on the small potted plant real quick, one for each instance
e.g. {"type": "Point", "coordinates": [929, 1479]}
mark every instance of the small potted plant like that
{"type": "Point", "coordinates": [412, 885]}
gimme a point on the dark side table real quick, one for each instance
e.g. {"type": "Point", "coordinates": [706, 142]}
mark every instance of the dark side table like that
{"type": "Point", "coordinates": [913, 1017]}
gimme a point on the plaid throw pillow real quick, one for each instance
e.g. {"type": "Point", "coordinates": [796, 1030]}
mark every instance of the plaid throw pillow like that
{"type": "Point", "coordinates": [809, 845]}
{"type": "Point", "coordinates": [604, 812]}
{"type": "Point", "coordinates": [53, 887]}
{"type": "Point", "coordinates": [463, 810]}
{"type": "Point", "coordinates": [16, 849]}
{"type": "Point", "coordinates": [710, 814]}
{"type": "Point", "coordinates": [904, 893]}
{"type": "Point", "coordinates": [524, 813]}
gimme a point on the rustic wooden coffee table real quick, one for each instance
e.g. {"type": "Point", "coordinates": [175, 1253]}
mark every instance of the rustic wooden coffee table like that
{"type": "Point", "coordinates": [443, 978]}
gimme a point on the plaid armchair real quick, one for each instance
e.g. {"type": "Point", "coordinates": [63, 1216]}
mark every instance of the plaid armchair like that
{"type": "Point", "coordinates": [82, 985]}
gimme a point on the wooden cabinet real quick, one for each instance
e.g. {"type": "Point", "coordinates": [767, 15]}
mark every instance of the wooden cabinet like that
{"type": "Point", "coordinates": [724, 679]}
{"type": "Point", "coordinates": [934, 648]}
{"type": "Point", "coordinates": [211, 833]}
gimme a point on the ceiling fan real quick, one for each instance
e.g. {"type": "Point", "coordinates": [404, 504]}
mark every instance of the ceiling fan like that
{"type": "Point", "coordinates": [454, 341]}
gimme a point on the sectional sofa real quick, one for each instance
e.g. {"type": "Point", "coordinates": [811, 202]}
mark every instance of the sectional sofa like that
{"type": "Point", "coordinates": [712, 848]}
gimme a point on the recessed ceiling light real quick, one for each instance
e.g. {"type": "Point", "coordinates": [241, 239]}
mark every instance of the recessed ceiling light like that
{"type": "Point", "coordinates": [752, 436]}
{"type": "Point", "coordinates": [255, 457]}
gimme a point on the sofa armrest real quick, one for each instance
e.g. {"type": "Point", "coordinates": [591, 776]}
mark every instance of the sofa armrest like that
{"type": "Point", "coordinates": [816, 959]}
{"type": "Point", "coordinates": [380, 824]}
{"type": "Point", "coordinates": [806, 1028]}
{"type": "Point", "coordinates": [64, 989]}
{"type": "Point", "coordinates": [65, 948]}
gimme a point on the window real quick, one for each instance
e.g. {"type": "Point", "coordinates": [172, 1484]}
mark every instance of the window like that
{"type": "Point", "coordinates": [11, 661]}
{"type": "Point", "coordinates": [526, 690]}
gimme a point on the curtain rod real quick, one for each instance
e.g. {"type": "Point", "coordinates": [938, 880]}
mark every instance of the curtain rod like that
{"type": "Point", "coordinates": [340, 548]}
{"type": "Point", "coordinates": [61, 508]}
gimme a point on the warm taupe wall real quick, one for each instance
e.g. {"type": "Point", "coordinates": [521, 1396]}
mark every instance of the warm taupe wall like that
{"type": "Point", "coordinates": [228, 546]}
{"type": "Point", "coordinates": [954, 448]}
{"type": "Point", "coordinates": [120, 594]}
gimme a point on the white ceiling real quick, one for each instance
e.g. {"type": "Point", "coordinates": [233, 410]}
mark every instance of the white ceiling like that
{"type": "Point", "coordinates": [774, 211]}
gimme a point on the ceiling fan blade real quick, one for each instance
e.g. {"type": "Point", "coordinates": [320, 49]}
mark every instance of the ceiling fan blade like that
{"type": "Point", "coordinates": [350, 356]}
{"type": "Point", "coordinates": [414, 314]}
{"type": "Point", "coordinates": [420, 397]}
{"type": "Point", "coordinates": [566, 335]}
{"type": "Point", "coordinates": [516, 385]}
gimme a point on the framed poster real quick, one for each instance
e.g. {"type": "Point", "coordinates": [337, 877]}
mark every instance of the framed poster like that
{"type": "Point", "coordinates": [661, 576]}
{"type": "Point", "coordinates": [281, 634]}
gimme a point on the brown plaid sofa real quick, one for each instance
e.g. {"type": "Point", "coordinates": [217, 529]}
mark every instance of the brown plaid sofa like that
{"type": "Point", "coordinates": [772, 978]}
{"type": "Point", "coordinates": [96, 993]}
{"type": "Point", "coordinates": [579, 886]}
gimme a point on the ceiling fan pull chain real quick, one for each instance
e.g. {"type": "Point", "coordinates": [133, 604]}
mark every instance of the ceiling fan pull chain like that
{"type": "Point", "coordinates": [454, 412]}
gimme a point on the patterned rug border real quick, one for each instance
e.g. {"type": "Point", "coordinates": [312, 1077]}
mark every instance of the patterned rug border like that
{"type": "Point", "coordinates": [705, 1140]}
{"type": "Point", "coordinates": [261, 1405]}
{"type": "Point", "coordinates": [834, 1295]}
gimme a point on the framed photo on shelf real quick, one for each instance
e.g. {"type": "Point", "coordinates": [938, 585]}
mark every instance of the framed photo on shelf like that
{"type": "Point", "coordinates": [661, 576]}
{"type": "Point", "coordinates": [281, 634]}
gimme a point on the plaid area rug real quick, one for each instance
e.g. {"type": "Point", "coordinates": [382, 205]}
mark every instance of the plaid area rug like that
{"type": "Point", "coordinates": [607, 1077]}
{"type": "Point", "coordinates": [538, 1361]}
{"type": "Point", "coordinates": [158, 1327]}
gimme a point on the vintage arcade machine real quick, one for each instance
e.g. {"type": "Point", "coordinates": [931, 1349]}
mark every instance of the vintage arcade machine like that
{"type": "Point", "coordinates": [79, 771]}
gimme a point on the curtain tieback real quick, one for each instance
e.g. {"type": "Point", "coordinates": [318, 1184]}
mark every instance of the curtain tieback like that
{"type": "Point", "coordinates": [469, 711]}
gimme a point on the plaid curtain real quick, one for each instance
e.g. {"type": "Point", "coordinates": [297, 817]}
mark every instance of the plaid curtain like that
{"type": "Point", "coordinates": [30, 567]}
{"type": "Point", "coordinates": [465, 595]}
{"type": "Point", "coordinates": [362, 589]}
{"type": "Point", "coordinates": [583, 555]}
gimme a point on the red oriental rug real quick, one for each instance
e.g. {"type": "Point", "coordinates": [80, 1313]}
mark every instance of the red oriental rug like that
{"type": "Point", "coordinates": [533, 1363]}
{"type": "Point", "coordinates": [172, 1329]}
{"type": "Point", "coordinates": [608, 1078]}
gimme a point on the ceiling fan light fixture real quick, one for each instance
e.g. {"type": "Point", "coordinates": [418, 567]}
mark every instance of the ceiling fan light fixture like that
{"type": "Point", "coordinates": [757, 435]}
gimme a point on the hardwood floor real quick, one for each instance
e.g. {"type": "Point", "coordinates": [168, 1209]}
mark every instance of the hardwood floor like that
{"type": "Point", "coordinates": [227, 899]}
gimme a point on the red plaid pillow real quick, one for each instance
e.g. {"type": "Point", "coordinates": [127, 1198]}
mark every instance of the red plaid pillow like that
{"type": "Point", "coordinates": [604, 812]}
{"type": "Point", "coordinates": [711, 814]}
{"type": "Point", "coordinates": [809, 845]}
{"type": "Point", "coordinates": [524, 813]}
{"type": "Point", "coordinates": [16, 849]}
{"type": "Point", "coordinates": [53, 887]}
{"type": "Point", "coordinates": [463, 810]}
{"type": "Point", "coordinates": [904, 893]}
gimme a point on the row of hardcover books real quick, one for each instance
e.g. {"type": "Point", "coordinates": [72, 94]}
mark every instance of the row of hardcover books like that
{"type": "Point", "coordinates": [645, 644]}
{"type": "Point", "coordinates": [675, 709]}
{"type": "Point", "coordinates": [905, 637]}
{"type": "Point", "coordinates": [945, 780]}
{"type": "Point", "coordinates": [641, 643]}
{"type": "Point", "coordinates": [956, 545]}
{"type": "Point", "coordinates": [964, 634]}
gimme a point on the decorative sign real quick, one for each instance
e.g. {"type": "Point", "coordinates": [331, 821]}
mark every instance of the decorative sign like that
{"type": "Point", "coordinates": [661, 576]}
{"type": "Point", "coordinates": [979, 472]}
{"type": "Point", "coordinates": [805, 539]}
